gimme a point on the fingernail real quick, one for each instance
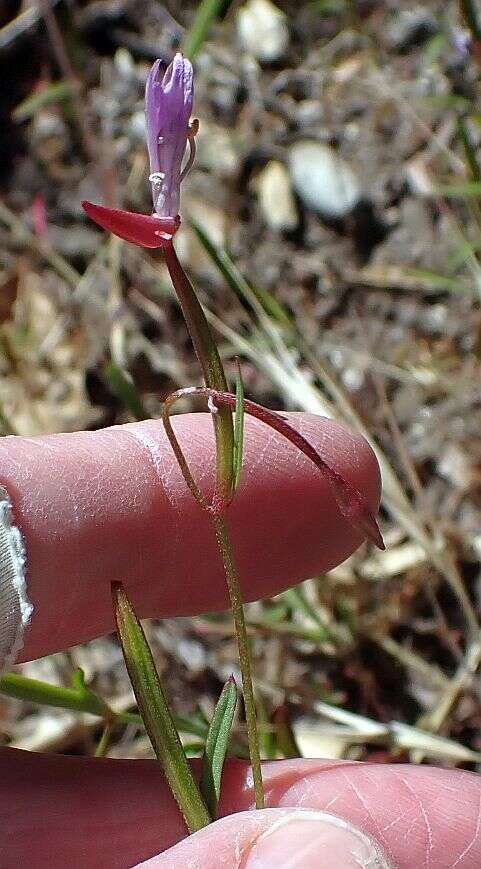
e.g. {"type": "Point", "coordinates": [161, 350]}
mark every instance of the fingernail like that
{"type": "Point", "coordinates": [314, 840]}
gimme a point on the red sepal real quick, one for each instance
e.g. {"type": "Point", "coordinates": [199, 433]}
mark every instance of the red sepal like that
{"type": "Point", "coordinates": [143, 229]}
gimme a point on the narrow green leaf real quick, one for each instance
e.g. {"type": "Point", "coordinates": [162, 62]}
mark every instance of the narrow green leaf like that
{"type": "Point", "coordinates": [216, 745]}
{"type": "Point", "coordinates": [78, 680]}
{"type": "Point", "coordinates": [469, 149]}
{"type": "Point", "coordinates": [237, 282]}
{"type": "Point", "coordinates": [104, 741]}
{"type": "Point", "coordinates": [463, 190]}
{"type": "Point", "coordinates": [297, 600]}
{"type": "Point", "coordinates": [124, 388]}
{"type": "Point", "coordinates": [286, 741]}
{"type": "Point", "coordinates": [207, 12]}
{"type": "Point", "coordinates": [434, 282]}
{"type": "Point", "coordinates": [434, 49]}
{"type": "Point", "coordinates": [79, 699]}
{"type": "Point", "coordinates": [193, 749]}
{"type": "Point", "coordinates": [267, 736]}
{"type": "Point", "coordinates": [155, 712]}
{"type": "Point", "coordinates": [238, 427]}
{"type": "Point", "coordinates": [53, 93]}
{"type": "Point", "coordinates": [196, 725]}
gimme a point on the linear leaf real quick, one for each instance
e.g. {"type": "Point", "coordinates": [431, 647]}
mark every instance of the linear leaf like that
{"type": "Point", "coordinates": [54, 93]}
{"type": "Point", "coordinates": [156, 713]}
{"type": "Point", "coordinates": [237, 282]}
{"type": "Point", "coordinates": [207, 12]}
{"type": "Point", "coordinates": [123, 387]}
{"type": "Point", "coordinates": [216, 745]}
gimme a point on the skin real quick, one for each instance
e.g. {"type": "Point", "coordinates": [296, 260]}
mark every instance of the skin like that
{"type": "Point", "coordinates": [111, 504]}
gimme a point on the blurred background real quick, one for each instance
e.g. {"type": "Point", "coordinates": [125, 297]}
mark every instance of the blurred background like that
{"type": "Point", "coordinates": [332, 224]}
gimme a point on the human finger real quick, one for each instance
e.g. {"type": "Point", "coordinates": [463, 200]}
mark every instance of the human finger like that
{"type": "Point", "coordinates": [93, 507]}
{"type": "Point", "coordinates": [115, 814]}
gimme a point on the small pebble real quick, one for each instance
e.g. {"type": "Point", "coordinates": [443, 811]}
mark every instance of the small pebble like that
{"type": "Point", "coordinates": [276, 199]}
{"type": "Point", "coordinates": [263, 30]}
{"type": "Point", "coordinates": [323, 180]}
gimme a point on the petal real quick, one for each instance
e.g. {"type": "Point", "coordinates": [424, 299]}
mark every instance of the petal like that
{"type": "Point", "coordinates": [179, 80]}
{"type": "Point", "coordinates": [142, 229]}
{"type": "Point", "coordinates": [153, 106]}
{"type": "Point", "coordinates": [168, 107]}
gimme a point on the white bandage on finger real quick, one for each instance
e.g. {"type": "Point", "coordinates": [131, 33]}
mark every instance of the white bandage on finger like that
{"type": "Point", "coordinates": [15, 607]}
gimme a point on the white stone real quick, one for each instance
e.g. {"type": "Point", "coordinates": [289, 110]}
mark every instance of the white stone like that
{"type": "Point", "coordinates": [323, 180]}
{"type": "Point", "coordinates": [263, 30]}
{"type": "Point", "coordinates": [276, 199]}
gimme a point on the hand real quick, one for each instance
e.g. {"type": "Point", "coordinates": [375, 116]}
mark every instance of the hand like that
{"type": "Point", "coordinates": [112, 505]}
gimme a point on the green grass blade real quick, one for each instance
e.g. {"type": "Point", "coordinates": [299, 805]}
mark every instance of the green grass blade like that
{"type": "Point", "coordinates": [216, 745]}
{"type": "Point", "coordinates": [238, 428]}
{"type": "Point", "coordinates": [104, 741]}
{"type": "Point", "coordinates": [237, 282]}
{"type": "Point", "coordinates": [79, 698]}
{"type": "Point", "coordinates": [156, 713]}
{"type": "Point", "coordinates": [54, 93]}
{"type": "Point", "coordinates": [286, 741]}
{"type": "Point", "coordinates": [297, 600]}
{"type": "Point", "coordinates": [124, 388]}
{"type": "Point", "coordinates": [469, 149]}
{"type": "Point", "coordinates": [207, 12]}
{"type": "Point", "coordinates": [463, 190]}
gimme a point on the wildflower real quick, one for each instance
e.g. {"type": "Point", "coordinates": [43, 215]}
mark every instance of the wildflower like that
{"type": "Point", "coordinates": [168, 106]}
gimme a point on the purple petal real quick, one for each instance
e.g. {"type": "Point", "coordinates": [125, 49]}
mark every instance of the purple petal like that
{"type": "Point", "coordinates": [152, 113]}
{"type": "Point", "coordinates": [168, 106]}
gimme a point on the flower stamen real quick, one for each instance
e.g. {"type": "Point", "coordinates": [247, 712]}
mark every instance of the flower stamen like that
{"type": "Point", "coordinates": [192, 132]}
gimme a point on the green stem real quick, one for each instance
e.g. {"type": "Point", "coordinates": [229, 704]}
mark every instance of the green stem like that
{"type": "Point", "coordinates": [77, 699]}
{"type": "Point", "coordinates": [104, 741]}
{"type": "Point", "coordinates": [206, 14]}
{"type": "Point", "coordinates": [34, 691]}
{"type": "Point", "coordinates": [210, 362]}
{"type": "Point", "coordinates": [233, 584]}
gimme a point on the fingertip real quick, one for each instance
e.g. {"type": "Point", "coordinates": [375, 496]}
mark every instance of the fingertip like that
{"type": "Point", "coordinates": [275, 839]}
{"type": "Point", "coordinates": [99, 507]}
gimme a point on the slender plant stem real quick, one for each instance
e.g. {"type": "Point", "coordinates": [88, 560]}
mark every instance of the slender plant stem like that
{"type": "Point", "coordinates": [210, 362]}
{"type": "Point", "coordinates": [207, 12]}
{"type": "Point", "coordinates": [233, 584]}
{"type": "Point", "coordinates": [104, 741]}
{"type": "Point", "coordinates": [77, 699]}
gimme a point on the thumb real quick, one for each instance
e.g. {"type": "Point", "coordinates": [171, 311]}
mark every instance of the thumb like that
{"type": "Point", "coordinates": [277, 838]}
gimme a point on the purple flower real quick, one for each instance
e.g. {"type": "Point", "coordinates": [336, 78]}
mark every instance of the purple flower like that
{"type": "Point", "coordinates": [168, 106]}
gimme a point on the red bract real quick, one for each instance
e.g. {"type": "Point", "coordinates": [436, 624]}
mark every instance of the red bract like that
{"type": "Point", "coordinates": [146, 230]}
